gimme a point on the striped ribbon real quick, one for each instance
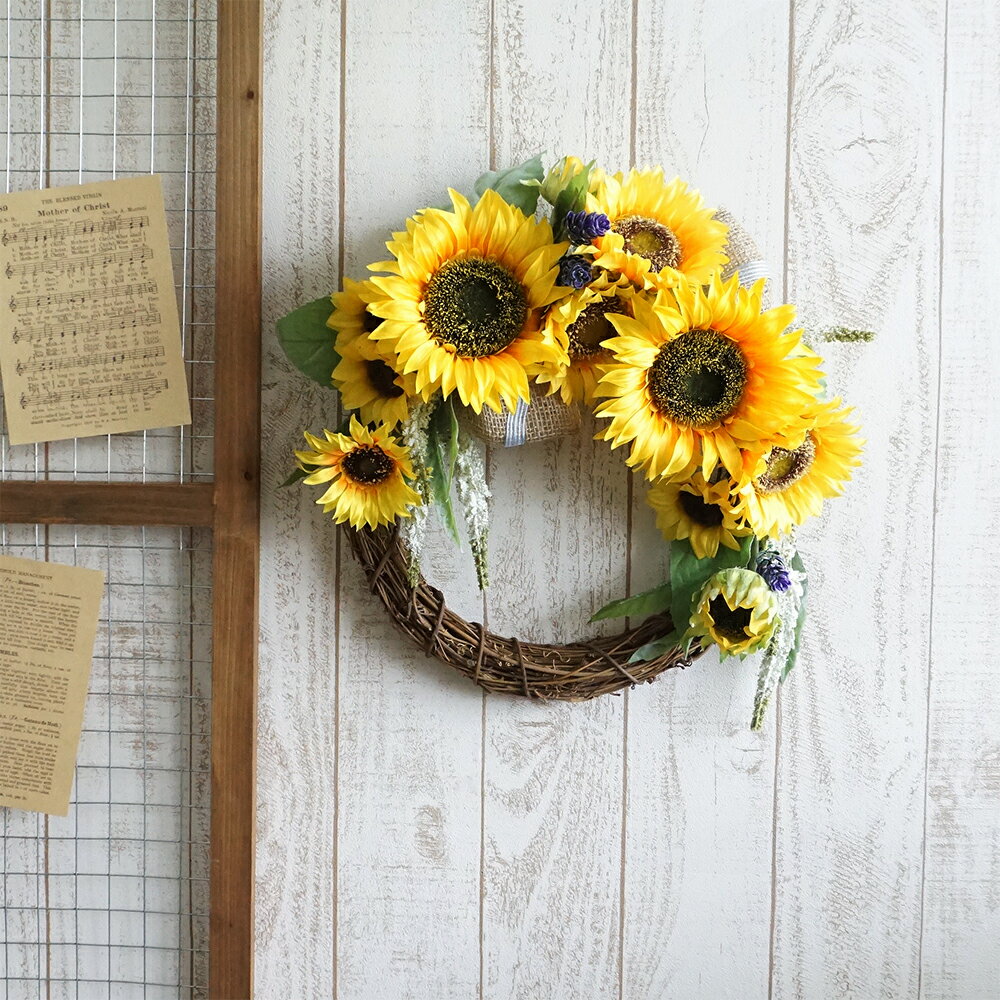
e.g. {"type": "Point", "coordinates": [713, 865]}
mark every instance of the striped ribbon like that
{"type": "Point", "coordinates": [517, 426]}
{"type": "Point", "coordinates": [753, 270]}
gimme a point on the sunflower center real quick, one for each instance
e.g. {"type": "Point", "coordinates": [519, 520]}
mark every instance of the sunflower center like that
{"type": "Point", "coordinates": [785, 467]}
{"type": "Point", "coordinates": [368, 466]}
{"type": "Point", "coordinates": [383, 379]}
{"type": "Point", "coordinates": [475, 305]}
{"type": "Point", "coordinates": [729, 622]}
{"type": "Point", "coordinates": [697, 378]}
{"type": "Point", "coordinates": [650, 239]}
{"type": "Point", "coordinates": [370, 322]}
{"type": "Point", "coordinates": [708, 515]}
{"type": "Point", "coordinates": [591, 328]}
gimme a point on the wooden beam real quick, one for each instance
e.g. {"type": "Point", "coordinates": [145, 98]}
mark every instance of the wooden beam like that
{"type": "Point", "coordinates": [237, 474]}
{"type": "Point", "coordinates": [54, 502]}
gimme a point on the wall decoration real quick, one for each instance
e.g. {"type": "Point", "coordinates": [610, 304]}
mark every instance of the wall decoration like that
{"type": "Point", "coordinates": [491, 322]}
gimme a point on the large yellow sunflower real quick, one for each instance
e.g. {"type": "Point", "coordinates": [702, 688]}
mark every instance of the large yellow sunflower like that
{"type": "Point", "coordinates": [462, 303]}
{"type": "Point", "coordinates": [367, 471]}
{"type": "Point", "coordinates": [736, 610]}
{"type": "Point", "coordinates": [700, 374]}
{"type": "Point", "coordinates": [699, 511]}
{"type": "Point", "coordinates": [661, 234]}
{"type": "Point", "coordinates": [785, 484]}
{"type": "Point", "coordinates": [579, 324]}
{"type": "Point", "coordinates": [368, 381]}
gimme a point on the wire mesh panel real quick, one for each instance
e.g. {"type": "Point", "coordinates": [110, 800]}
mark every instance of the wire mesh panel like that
{"type": "Point", "coordinates": [112, 901]}
{"type": "Point", "coordinates": [99, 89]}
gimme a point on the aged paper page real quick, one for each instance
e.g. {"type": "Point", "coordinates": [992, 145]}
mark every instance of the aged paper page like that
{"type": "Point", "coordinates": [48, 621]}
{"type": "Point", "coordinates": [89, 337]}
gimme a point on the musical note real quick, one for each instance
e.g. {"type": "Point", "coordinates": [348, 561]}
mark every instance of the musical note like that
{"type": "Point", "coordinates": [144, 387]}
{"type": "Point", "coordinates": [42, 232]}
{"type": "Point", "coordinates": [69, 265]}
{"type": "Point", "coordinates": [79, 296]}
{"type": "Point", "coordinates": [60, 331]}
{"type": "Point", "coordinates": [89, 360]}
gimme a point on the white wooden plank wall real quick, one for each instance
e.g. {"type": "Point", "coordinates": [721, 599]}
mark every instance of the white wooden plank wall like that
{"type": "Point", "coordinates": [418, 839]}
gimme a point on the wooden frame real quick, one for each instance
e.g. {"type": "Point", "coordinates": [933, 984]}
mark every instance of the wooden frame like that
{"type": "Point", "coordinates": [230, 505]}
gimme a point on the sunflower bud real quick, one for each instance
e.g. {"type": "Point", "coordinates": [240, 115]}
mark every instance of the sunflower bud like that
{"type": "Point", "coordinates": [563, 172]}
{"type": "Point", "coordinates": [737, 611]}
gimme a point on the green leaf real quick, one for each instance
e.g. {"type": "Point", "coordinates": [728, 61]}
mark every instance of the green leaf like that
{"type": "Point", "coordinates": [308, 341]}
{"type": "Point", "coordinates": [296, 476]}
{"type": "Point", "coordinates": [656, 648]}
{"type": "Point", "coordinates": [650, 602]}
{"type": "Point", "coordinates": [442, 470]}
{"type": "Point", "coordinates": [572, 198]}
{"type": "Point", "coordinates": [516, 185]}
{"type": "Point", "coordinates": [793, 655]}
{"type": "Point", "coordinates": [445, 425]}
{"type": "Point", "coordinates": [688, 574]}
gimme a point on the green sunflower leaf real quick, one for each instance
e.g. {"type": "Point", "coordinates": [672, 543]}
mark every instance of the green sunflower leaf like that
{"type": "Point", "coordinates": [308, 341]}
{"type": "Point", "coordinates": [517, 185]}
{"type": "Point", "coordinates": [442, 469]}
{"type": "Point", "coordinates": [793, 655]}
{"type": "Point", "coordinates": [650, 602]}
{"type": "Point", "coordinates": [656, 648]}
{"type": "Point", "coordinates": [446, 427]}
{"type": "Point", "coordinates": [296, 476]}
{"type": "Point", "coordinates": [688, 574]}
{"type": "Point", "coordinates": [572, 198]}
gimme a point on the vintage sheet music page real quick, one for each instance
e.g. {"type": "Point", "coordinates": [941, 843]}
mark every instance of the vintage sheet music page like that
{"type": "Point", "coordinates": [48, 621]}
{"type": "Point", "coordinates": [89, 338]}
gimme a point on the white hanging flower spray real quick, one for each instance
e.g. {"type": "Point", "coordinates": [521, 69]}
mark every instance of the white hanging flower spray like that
{"type": "Point", "coordinates": [413, 530]}
{"type": "Point", "coordinates": [474, 495]}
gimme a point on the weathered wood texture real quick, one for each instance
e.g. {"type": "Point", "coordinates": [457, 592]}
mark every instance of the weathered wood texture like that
{"type": "Point", "coordinates": [419, 840]}
{"type": "Point", "coordinates": [236, 536]}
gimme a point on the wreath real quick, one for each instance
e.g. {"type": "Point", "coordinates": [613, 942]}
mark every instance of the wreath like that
{"type": "Point", "coordinates": [491, 323]}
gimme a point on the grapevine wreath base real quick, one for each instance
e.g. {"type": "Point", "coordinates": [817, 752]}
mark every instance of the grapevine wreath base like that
{"type": "Point", "coordinates": [577, 671]}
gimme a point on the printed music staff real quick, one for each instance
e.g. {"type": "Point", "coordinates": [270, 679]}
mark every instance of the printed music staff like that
{"type": "Point", "coordinates": [90, 341]}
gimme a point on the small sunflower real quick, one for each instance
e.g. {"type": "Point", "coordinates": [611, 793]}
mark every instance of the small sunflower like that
{"type": "Point", "coordinates": [787, 483]}
{"type": "Point", "coordinates": [737, 611]}
{"type": "Point", "coordinates": [661, 233]}
{"type": "Point", "coordinates": [700, 374]}
{"type": "Point", "coordinates": [368, 382]}
{"type": "Point", "coordinates": [562, 172]}
{"type": "Point", "coordinates": [463, 301]}
{"type": "Point", "coordinates": [350, 317]}
{"type": "Point", "coordinates": [699, 511]}
{"type": "Point", "coordinates": [367, 471]}
{"type": "Point", "coordinates": [579, 324]}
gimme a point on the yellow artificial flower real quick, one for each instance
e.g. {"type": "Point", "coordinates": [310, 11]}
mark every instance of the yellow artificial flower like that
{"type": "Point", "coordinates": [367, 471]}
{"type": "Point", "coordinates": [699, 511]}
{"type": "Point", "coordinates": [463, 301]}
{"type": "Point", "coordinates": [350, 317]}
{"type": "Point", "coordinates": [661, 234]}
{"type": "Point", "coordinates": [368, 382]}
{"type": "Point", "coordinates": [700, 374]}
{"type": "Point", "coordinates": [737, 611]}
{"type": "Point", "coordinates": [579, 324]}
{"type": "Point", "coordinates": [785, 484]}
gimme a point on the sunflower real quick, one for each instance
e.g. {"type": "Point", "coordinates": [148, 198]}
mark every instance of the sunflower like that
{"type": "Point", "coordinates": [562, 172]}
{"type": "Point", "coordinates": [463, 301]}
{"type": "Point", "coordinates": [661, 234]}
{"type": "Point", "coordinates": [368, 382]}
{"type": "Point", "coordinates": [737, 611]}
{"type": "Point", "coordinates": [699, 511]}
{"type": "Point", "coordinates": [579, 324]}
{"type": "Point", "coordinates": [701, 373]}
{"type": "Point", "coordinates": [787, 483]}
{"type": "Point", "coordinates": [367, 471]}
{"type": "Point", "coordinates": [350, 317]}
